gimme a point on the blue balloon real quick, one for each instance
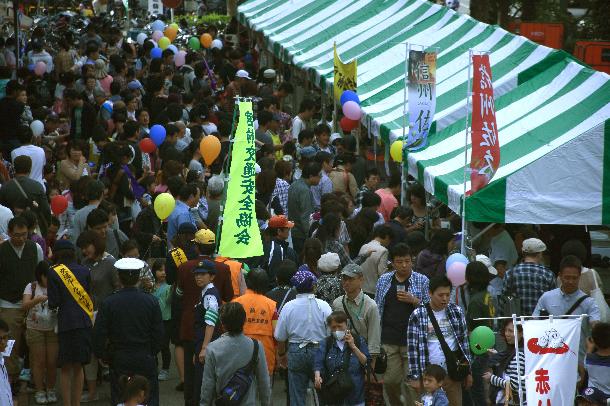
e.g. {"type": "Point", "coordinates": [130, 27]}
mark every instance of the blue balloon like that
{"type": "Point", "coordinates": [156, 53]}
{"type": "Point", "coordinates": [157, 134]}
{"type": "Point", "coordinates": [158, 25]}
{"type": "Point", "coordinates": [349, 95]}
{"type": "Point", "coordinates": [456, 258]}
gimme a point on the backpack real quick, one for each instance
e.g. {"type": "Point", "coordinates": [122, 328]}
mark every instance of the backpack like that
{"type": "Point", "coordinates": [234, 392]}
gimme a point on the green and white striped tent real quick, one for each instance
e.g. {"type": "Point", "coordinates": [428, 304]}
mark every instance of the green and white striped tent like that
{"type": "Point", "coordinates": [553, 112]}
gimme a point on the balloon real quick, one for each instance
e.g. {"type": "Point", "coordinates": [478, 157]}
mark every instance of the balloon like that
{"type": "Point", "coordinates": [482, 338]}
{"type": "Point", "coordinates": [349, 95]}
{"type": "Point", "coordinates": [348, 125]}
{"type": "Point", "coordinates": [158, 25]}
{"type": "Point", "coordinates": [171, 33]}
{"type": "Point", "coordinates": [37, 128]}
{"type": "Point", "coordinates": [157, 35]}
{"type": "Point", "coordinates": [351, 109]}
{"type": "Point", "coordinates": [164, 205]}
{"type": "Point", "coordinates": [456, 258]}
{"type": "Point", "coordinates": [164, 43]}
{"type": "Point", "coordinates": [157, 134]}
{"type": "Point", "coordinates": [180, 58]}
{"type": "Point", "coordinates": [206, 40]}
{"type": "Point", "coordinates": [456, 273]}
{"type": "Point", "coordinates": [141, 38]}
{"type": "Point", "coordinates": [174, 26]}
{"type": "Point", "coordinates": [40, 68]}
{"type": "Point", "coordinates": [156, 53]}
{"type": "Point", "coordinates": [396, 150]}
{"type": "Point", "coordinates": [147, 145]}
{"type": "Point", "coordinates": [194, 43]}
{"type": "Point", "coordinates": [217, 44]}
{"type": "Point", "coordinates": [209, 148]}
{"type": "Point", "coordinates": [59, 204]}
{"type": "Point", "coordinates": [173, 48]}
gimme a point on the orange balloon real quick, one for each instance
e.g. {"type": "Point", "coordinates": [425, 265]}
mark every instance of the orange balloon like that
{"type": "Point", "coordinates": [209, 148]}
{"type": "Point", "coordinates": [206, 40]}
{"type": "Point", "coordinates": [171, 33]}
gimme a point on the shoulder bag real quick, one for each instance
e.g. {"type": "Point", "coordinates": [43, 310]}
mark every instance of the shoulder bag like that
{"type": "Point", "coordinates": [234, 392]}
{"type": "Point", "coordinates": [338, 384]}
{"type": "Point", "coordinates": [458, 367]}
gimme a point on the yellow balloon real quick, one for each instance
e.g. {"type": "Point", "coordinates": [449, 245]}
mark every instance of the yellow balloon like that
{"type": "Point", "coordinates": [396, 150]}
{"type": "Point", "coordinates": [164, 205]}
{"type": "Point", "coordinates": [174, 26]}
{"type": "Point", "coordinates": [164, 43]}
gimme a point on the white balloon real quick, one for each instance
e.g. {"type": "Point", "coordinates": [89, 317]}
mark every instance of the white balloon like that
{"type": "Point", "coordinates": [141, 38]}
{"type": "Point", "coordinates": [37, 128]}
{"type": "Point", "coordinates": [217, 43]}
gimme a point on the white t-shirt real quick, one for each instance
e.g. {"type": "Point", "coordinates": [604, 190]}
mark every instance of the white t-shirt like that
{"type": "Point", "coordinates": [297, 126]}
{"type": "Point", "coordinates": [209, 128]}
{"type": "Point", "coordinates": [427, 399]}
{"type": "Point", "coordinates": [435, 352]}
{"type": "Point", "coordinates": [38, 160]}
{"type": "Point", "coordinates": [40, 317]}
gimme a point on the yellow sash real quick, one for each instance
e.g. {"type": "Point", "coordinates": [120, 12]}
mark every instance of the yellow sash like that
{"type": "Point", "coordinates": [178, 256]}
{"type": "Point", "coordinates": [77, 291]}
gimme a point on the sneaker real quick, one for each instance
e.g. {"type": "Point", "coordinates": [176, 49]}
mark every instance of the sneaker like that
{"type": "Point", "coordinates": [86, 398]}
{"type": "Point", "coordinates": [25, 375]}
{"type": "Point", "coordinates": [51, 396]}
{"type": "Point", "coordinates": [41, 398]}
{"type": "Point", "coordinates": [180, 387]}
{"type": "Point", "coordinates": [163, 375]}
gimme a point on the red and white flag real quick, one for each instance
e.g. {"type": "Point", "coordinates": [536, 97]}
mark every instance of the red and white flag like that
{"type": "Point", "coordinates": [485, 158]}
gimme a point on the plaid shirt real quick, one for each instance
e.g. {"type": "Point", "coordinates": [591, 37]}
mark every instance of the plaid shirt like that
{"type": "Point", "coordinates": [417, 337]}
{"type": "Point", "coordinates": [418, 287]}
{"type": "Point", "coordinates": [360, 194]}
{"type": "Point", "coordinates": [281, 191]}
{"type": "Point", "coordinates": [528, 281]}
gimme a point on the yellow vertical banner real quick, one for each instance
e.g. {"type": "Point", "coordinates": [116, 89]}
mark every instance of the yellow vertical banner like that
{"type": "Point", "coordinates": [240, 236]}
{"type": "Point", "coordinates": [345, 77]}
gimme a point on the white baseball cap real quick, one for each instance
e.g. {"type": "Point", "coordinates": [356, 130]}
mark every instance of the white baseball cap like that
{"type": "Point", "coordinates": [242, 74]}
{"type": "Point", "coordinates": [487, 262]}
{"type": "Point", "coordinates": [533, 246]}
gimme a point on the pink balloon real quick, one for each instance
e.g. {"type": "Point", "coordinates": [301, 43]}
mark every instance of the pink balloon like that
{"type": "Point", "coordinates": [179, 58]}
{"type": "Point", "coordinates": [351, 109]}
{"type": "Point", "coordinates": [157, 35]}
{"type": "Point", "coordinates": [457, 273]}
{"type": "Point", "coordinates": [40, 68]}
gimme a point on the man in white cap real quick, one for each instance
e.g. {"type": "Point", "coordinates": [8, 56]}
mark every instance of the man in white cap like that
{"type": "Point", "coordinates": [529, 279]}
{"type": "Point", "coordinates": [235, 88]}
{"type": "Point", "coordinates": [128, 331]}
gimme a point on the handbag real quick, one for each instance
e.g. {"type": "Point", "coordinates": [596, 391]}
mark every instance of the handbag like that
{"type": "Point", "coordinates": [373, 389]}
{"type": "Point", "coordinates": [338, 384]}
{"type": "Point", "coordinates": [458, 367]}
{"type": "Point", "coordinates": [233, 393]}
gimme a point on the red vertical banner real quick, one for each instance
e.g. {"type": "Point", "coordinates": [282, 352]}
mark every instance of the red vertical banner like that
{"type": "Point", "coordinates": [485, 158]}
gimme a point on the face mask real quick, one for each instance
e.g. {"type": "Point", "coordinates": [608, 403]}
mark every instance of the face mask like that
{"type": "Point", "coordinates": [339, 335]}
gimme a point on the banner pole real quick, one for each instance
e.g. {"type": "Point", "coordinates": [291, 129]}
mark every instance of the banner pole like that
{"type": "Point", "coordinates": [464, 232]}
{"type": "Point", "coordinates": [517, 356]}
{"type": "Point", "coordinates": [403, 177]}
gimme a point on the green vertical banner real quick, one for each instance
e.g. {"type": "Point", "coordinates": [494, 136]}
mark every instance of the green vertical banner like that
{"type": "Point", "coordinates": [240, 236]}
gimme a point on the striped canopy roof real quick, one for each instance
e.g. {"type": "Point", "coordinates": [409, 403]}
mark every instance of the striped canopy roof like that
{"type": "Point", "coordinates": [553, 112]}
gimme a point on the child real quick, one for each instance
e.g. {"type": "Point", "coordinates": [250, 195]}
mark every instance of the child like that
{"type": "Point", "coordinates": [597, 362]}
{"type": "Point", "coordinates": [134, 389]}
{"type": "Point", "coordinates": [592, 397]}
{"type": "Point", "coordinates": [434, 395]}
{"type": "Point", "coordinates": [162, 292]}
{"type": "Point", "coordinates": [6, 395]}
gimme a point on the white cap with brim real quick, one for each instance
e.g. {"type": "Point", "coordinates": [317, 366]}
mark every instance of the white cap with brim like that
{"type": "Point", "coordinates": [129, 264]}
{"type": "Point", "coordinates": [533, 246]}
{"type": "Point", "coordinates": [487, 262]}
{"type": "Point", "coordinates": [242, 74]}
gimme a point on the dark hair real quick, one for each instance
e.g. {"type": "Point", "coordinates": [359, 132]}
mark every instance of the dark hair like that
{"type": "Point", "coordinates": [128, 245]}
{"type": "Point", "coordinates": [265, 182]}
{"type": "Point", "coordinates": [400, 250]}
{"type": "Point", "coordinates": [282, 168]}
{"type": "Point", "coordinates": [439, 241]}
{"type": "Point", "coordinates": [24, 134]}
{"type": "Point", "coordinates": [233, 317]}
{"type": "Point", "coordinates": [440, 281]}
{"type": "Point", "coordinates": [329, 228]}
{"type": "Point", "coordinates": [286, 87]}
{"type": "Point", "coordinates": [395, 180]}
{"type": "Point", "coordinates": [129, 278]}
{"type": "Point", "coordinates": [371, 172]}
{"type": "Point", "coordinates": [519, 330]}
{"type": "Point", "coordinates": [311, 169]}
{"type": "Point", "coordinates": [338, 316]}
{"type": "Point", "coordinates": [264, 117]}
{"type": "Point", "coordinates": [370, 199]}
{"type": "Point", "coordinates": [323, 156]}
{"type": "Point", "coordinates": [108, 207]}
{"type": "Point", "coordinates": [96, 218]}
{"type": "Point", "coordinates": [31, 218]}
{"type": "Point", "coordinates": [570, 261]}
{"type": "Point", "coordinates": [17, 222]}
{"type": "Point", "coordinates": [284, 271]}
{"type": "Point", "coordinates": [435, 371]}
{"type": "Point", "coordinates": [477, 276]}
{"type": "Point", "coordinates": [131, 129]}
{"type": "Point", "coordinates": [186, 191]}
{"type": "Point", "coordinates": [321, 129]}
{"type": "Point", "coordinates": [257, 280]}
{"type": "Point", "coordinates": [131, 386]}
{"type": "Point", "coordinates": [305, 134]}
{"type": "Point", "coordinates": [312, 251]}
{"type": "Point", "coordinates": [64, 256]}
{"type": "Point", "coordinates": [575, 248]}
{"type": "Point", "coordinates": [157, 266]}
{"type": "Point", "coordinates": [383, 231]}
{"type": "Point", "coordinates": [600, 335]}
{"type": "Point", "coordinates": [42, 269]}
{"type": "Point", "coordinates": [22, 164]}
{"type": "Point", "coordinates": [95, 190]}
{"type": "Point", "coordinates": [418, 191]}
{"type": "Point", "coordinates": [401, 212]}
{"type": "Point", "coordinates": [174, 183]}
{"type": "Point", "coordinates": [90, 237]}
{"type": "Point", "coordinates": [307, 104]}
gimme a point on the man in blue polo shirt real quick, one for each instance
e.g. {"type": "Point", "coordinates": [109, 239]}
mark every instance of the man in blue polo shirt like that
{"type": "Point", "coordinates": [188, 197]}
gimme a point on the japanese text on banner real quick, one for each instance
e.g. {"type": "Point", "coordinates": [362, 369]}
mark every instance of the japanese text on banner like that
{"type": "Point", "coordinates": [155, 7]}
{"type": "Point", "coordinates": [345, 75]}
{"type": "Point", "coordinates": [422, 97]}
{"type": "Point", "coordinates": [240, 236]}
{"type": "Point", "coordinates": [485, 158]}
{"type": "Point", "coordinates": [551, 360]}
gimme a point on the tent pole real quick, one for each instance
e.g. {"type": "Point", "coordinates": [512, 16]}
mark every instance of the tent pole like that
{"type": "Point", "coordinates": [403, 180]}
{"type": "Point", "coordinates": [464, 231]}
{"type": "Point", "coordinates": [517, 357]}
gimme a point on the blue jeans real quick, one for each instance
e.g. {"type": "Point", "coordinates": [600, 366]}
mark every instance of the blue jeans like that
{"type": "Point", "coordinates": [300, 372]}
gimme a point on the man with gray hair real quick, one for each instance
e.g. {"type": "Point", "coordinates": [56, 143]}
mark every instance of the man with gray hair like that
{"type": "Point", "coordinates": [215, 191]}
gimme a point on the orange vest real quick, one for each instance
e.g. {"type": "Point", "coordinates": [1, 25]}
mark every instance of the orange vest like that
{"type": "Point", "coordinates": [235, 268]}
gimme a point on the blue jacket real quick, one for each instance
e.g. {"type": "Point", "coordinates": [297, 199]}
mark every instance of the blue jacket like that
{"type": "Point", "coordinates": [70, 315]}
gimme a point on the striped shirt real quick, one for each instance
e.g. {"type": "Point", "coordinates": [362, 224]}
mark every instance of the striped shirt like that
{"type": "Point", "coordinates": [510, 375]}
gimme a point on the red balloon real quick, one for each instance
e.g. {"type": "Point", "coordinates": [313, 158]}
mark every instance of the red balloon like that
{"type": "Point", "coordinates": [348, 125]}
{"type": "Point", "coordinates": [147, 145]}
{"type": "Point", "coordinates": [59, 204]}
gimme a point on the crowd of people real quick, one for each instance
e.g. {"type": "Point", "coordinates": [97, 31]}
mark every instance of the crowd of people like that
{"type": "Point", "coordinates": [350, 301]}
